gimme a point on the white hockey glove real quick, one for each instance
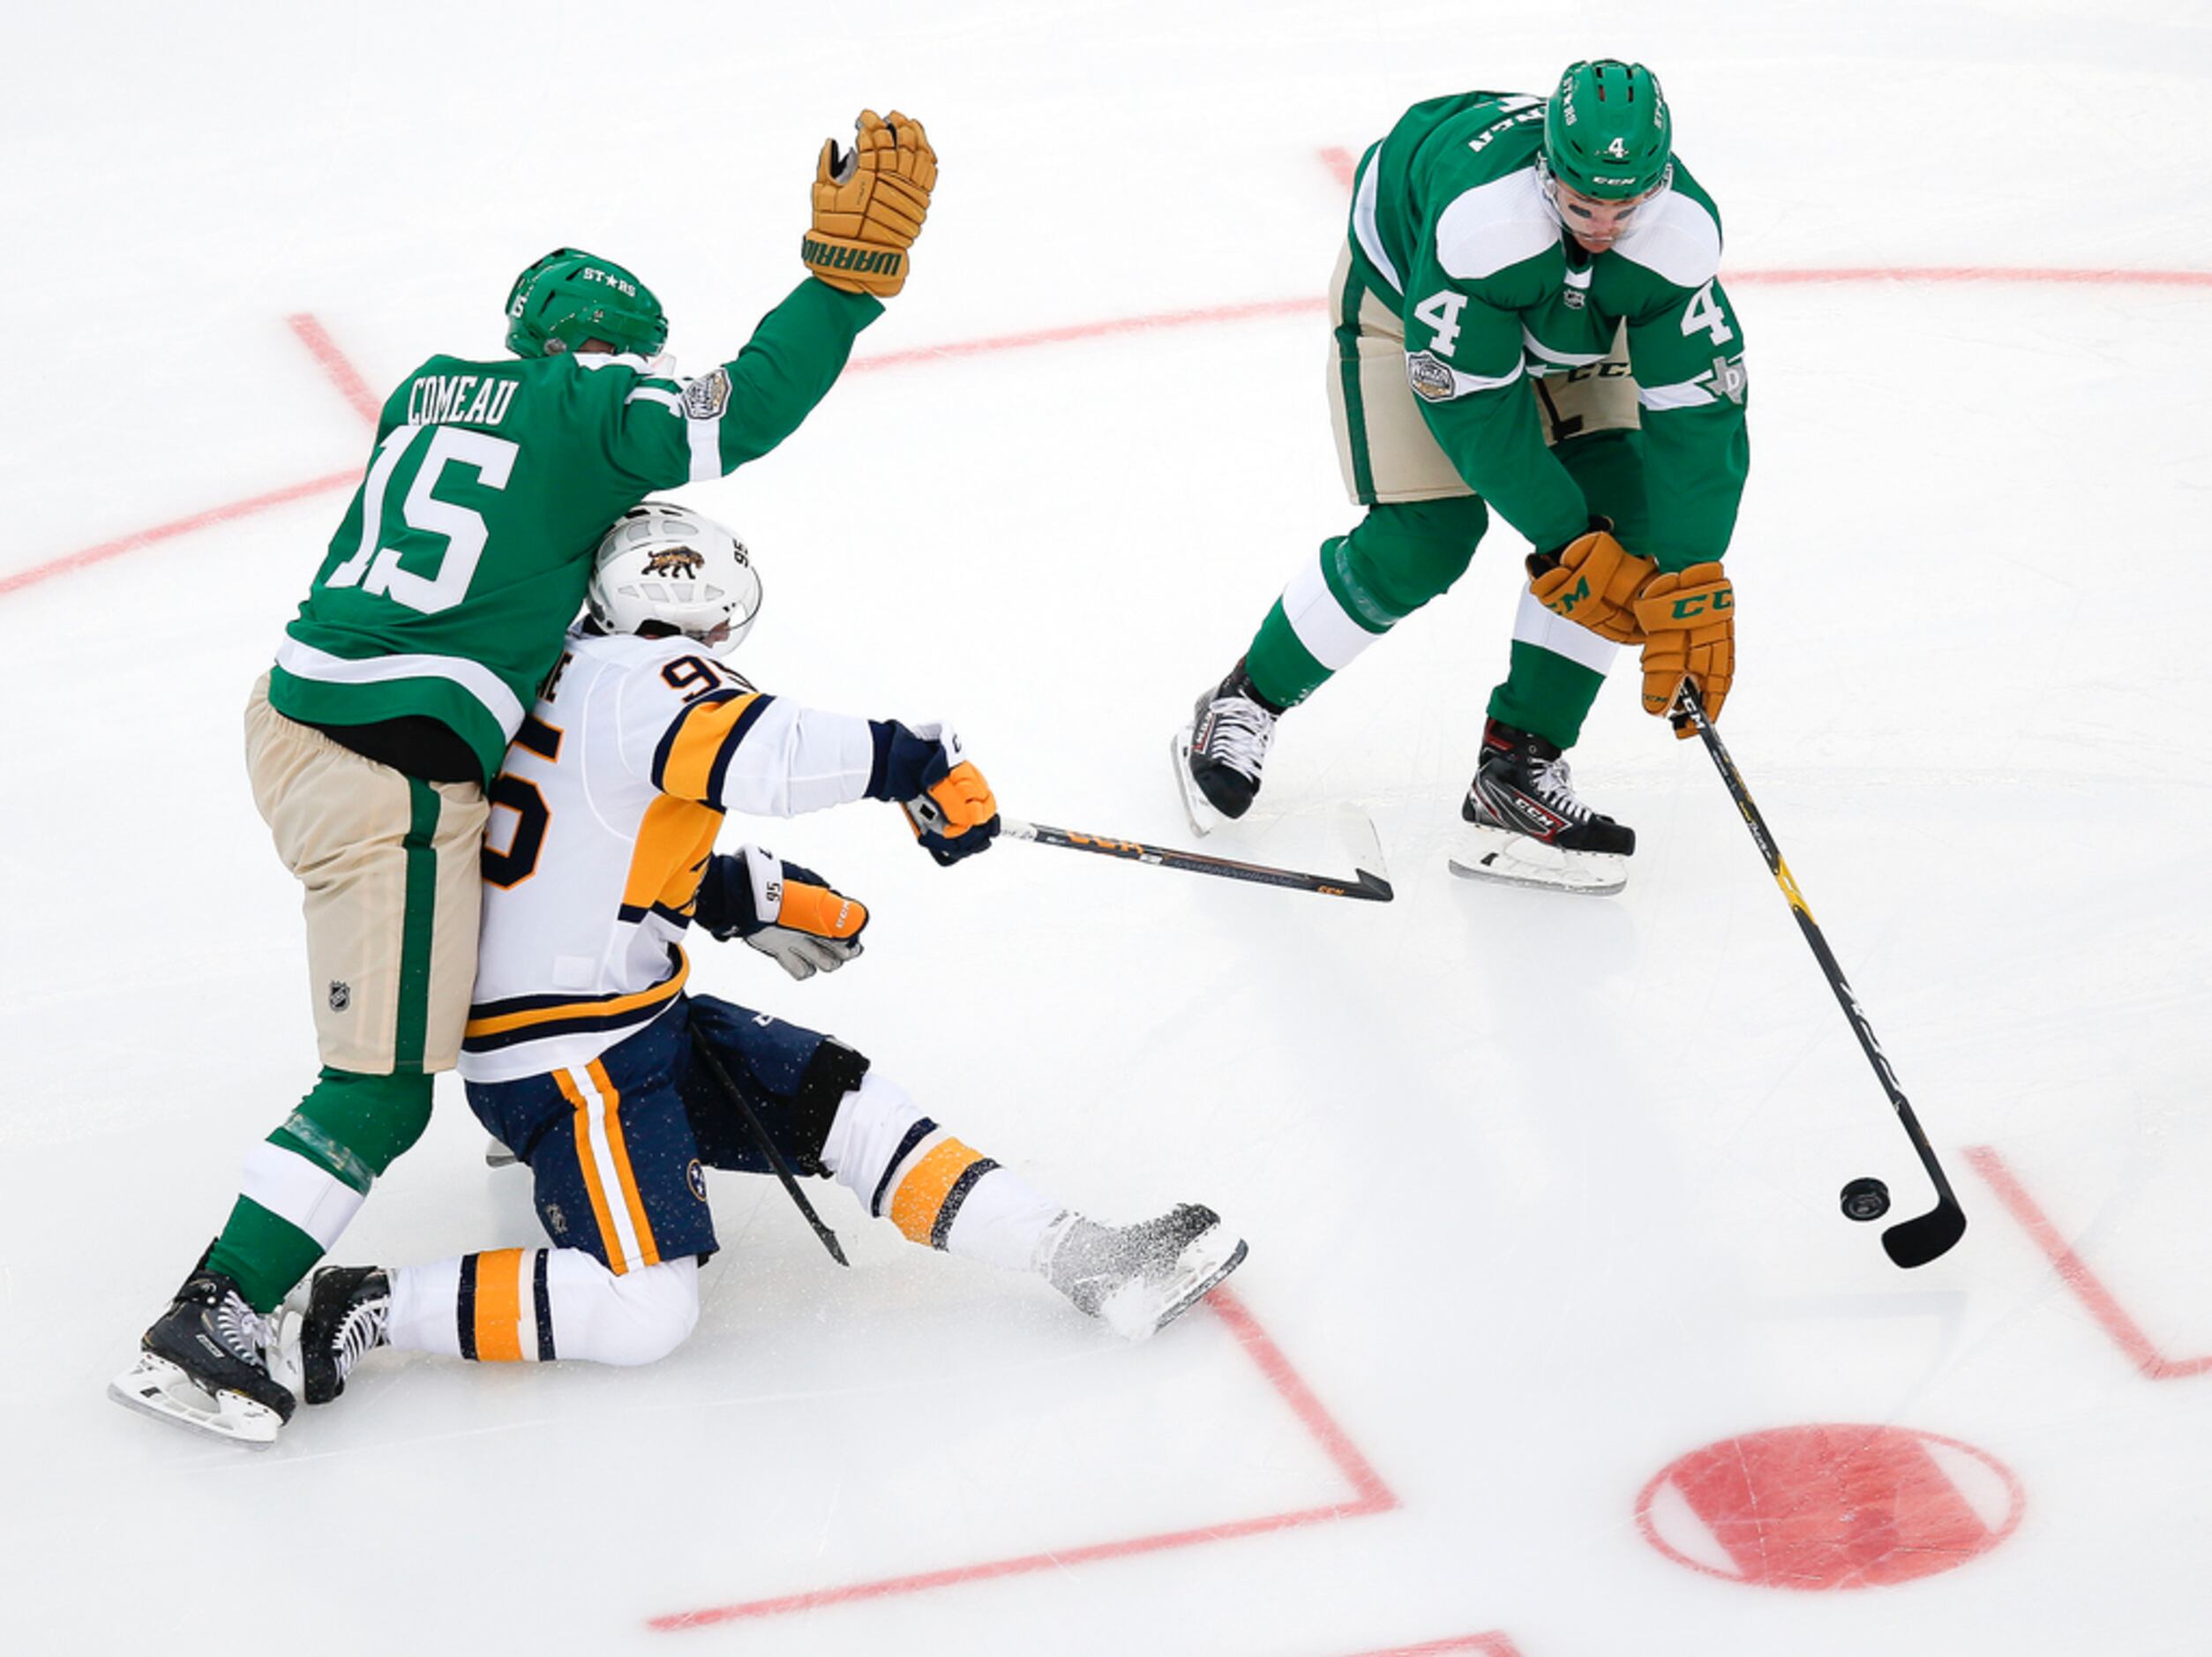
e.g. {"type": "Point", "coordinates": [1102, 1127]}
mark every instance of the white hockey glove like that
{"type": "Point", "coordinates": [786, 911]}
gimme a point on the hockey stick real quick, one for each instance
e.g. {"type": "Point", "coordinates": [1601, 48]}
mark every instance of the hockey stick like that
{"type": "Point", "coordinates": [705, 1049]}
{"type": "Point", "coordinates": [1912, 1242]}
{"type": "Point", "coordinates": [1366, 884]}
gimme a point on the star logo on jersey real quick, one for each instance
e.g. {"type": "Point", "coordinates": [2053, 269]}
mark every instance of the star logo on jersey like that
{"type": "Point", "coordinates": [695, 1177]}
{"type": "Point", "coordinates": [1729, 379]}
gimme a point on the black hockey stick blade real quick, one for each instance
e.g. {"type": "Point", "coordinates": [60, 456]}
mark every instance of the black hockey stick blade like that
{"type": "Point", "coordinates": [759, 1130]}
{"type": "Point", "coordinates": [1926, 1236]}
{"type": "Point", "coordinates": [1364, 884]}
{"type": "Point", "coordinates": [1915, 1242]}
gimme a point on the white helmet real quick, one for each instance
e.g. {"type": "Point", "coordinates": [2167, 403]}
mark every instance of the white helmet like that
{"type": "Point", "coordinates": [666, 564]}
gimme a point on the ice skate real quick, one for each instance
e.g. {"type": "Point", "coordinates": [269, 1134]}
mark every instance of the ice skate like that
{"type": "Point", "coordinates": [1220, 754]}
{"type": "Point", "coordinates": [1528, 828]}
{"type": "Point", "coordinates": [1139, 1278]}
{"type": "Point", "coordinates": [347, 1316]}
{"type": "Point", "coordinates": [203, 1366]}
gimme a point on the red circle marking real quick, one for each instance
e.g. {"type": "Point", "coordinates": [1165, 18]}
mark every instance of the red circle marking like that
{"type": "Point", "coordinates": [1830, 1507]}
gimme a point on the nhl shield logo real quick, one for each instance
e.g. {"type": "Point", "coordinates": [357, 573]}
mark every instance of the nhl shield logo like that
{"type": "Point", "coordinates": [341, 996]}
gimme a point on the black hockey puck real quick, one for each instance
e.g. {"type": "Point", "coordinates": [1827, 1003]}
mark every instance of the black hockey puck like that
{"type": "Point", "coordinates": [1865, 1199]}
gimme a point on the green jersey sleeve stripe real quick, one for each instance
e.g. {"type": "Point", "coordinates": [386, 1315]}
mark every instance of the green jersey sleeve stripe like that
{"type": "Point", "coordinates": [1363, 224]}
{"type": "Point", "coordinates": [1463, 383]}
{"type": "Point", "coordinates": [304, 661]}
{"type": "Point", "coordinates": [706, 449]}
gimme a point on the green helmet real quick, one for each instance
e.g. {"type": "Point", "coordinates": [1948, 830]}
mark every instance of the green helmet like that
{"type": "Point", "coordinates": [571, 295]}
{"type": "Point", "coordinates": [1606, 132]}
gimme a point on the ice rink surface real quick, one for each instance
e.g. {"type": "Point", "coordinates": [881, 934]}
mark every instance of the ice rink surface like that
{"type": "Point", "coordinates": [1552, 1342]}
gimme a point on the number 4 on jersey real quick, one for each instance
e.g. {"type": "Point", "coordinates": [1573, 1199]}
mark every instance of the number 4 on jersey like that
{"type": "Point", "coordinates": [1704, 316]}
{"type": "Point", "coordinates": [1441, 311]}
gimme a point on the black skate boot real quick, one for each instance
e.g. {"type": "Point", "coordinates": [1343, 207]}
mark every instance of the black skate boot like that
{"type": "Point", "coordinates": [1530, 827]}
{"type": "Point", "coordinates": [1139, 1278]}
{"type": "Point", "coordinates": [348, 1315]}
{"type": "Point", "coordinates": [204, 1364]}
{"type": "Point", "coordinates": [1219, 755]}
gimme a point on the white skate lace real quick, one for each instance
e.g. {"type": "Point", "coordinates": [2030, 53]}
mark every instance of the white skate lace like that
{"type": "Point", "coordinates": [242, 1329]}
{"type": "Point", "coordinates": [362, 1332]}
{"type": "Point", "coordinates": [1238, 733]}
{"type": "Point", "coordinates": [1554, 786]}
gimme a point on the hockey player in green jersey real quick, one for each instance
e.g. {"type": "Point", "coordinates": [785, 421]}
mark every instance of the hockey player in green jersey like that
{"type": "Point", "coordinates": [441, 603]}
{"type": "Point", "coordinates": [1529, 320]}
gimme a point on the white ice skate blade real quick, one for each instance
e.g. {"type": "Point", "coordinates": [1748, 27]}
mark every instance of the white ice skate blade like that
{"type": "Point", "coordinates": [1141, 1307]}
{"type": "Point", "coordinates": [1203, 818]}
{"type": "Point", "coordinates": [1505, 858]}
{"type": "Point", "coordinates": [156, 1387]}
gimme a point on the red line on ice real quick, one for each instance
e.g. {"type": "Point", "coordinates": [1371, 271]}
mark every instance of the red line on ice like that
{"type": "Point", "coordinates": [2103, 1305]}
{"type": "Point", "coordinates": [138, 538]}
{"type": "Point", "coordinates": [1482, 1644]}
{"type": "Point", "coordinates": [335, 364]}
{"type": "Point", "coordinates": [356, 391]}
{"type": "Point", "coordinates": [1373, 1496]}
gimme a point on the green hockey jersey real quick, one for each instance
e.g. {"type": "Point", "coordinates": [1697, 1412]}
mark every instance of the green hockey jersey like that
{"type": "Point", "coordinates": [1452, 228]}
{"type": "Point", "coordinates": [464, 557]}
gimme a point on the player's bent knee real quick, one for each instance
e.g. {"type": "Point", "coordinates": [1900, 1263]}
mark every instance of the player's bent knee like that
{"type": "Point", "coordinates": [639, 1317]}
{"type": "Point", "coordinates": [877, 1124]}
{"type": "Point", "coordinates": [1406, 553]}
{"type": "Point", "coordinates": [374, 1118]}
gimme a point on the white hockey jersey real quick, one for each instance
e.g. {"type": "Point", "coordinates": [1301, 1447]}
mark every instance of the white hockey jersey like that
{"type": "Point", "coordinates": [603, 818]}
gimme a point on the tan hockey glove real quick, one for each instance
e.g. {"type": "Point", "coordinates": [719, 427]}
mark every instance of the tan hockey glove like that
{"type": "Point", "coordinates": [1593, 581]}
{"type": "Point", "coordinates": [869, 204]}
{"type": "Point", "coordinates": [1688, 622]}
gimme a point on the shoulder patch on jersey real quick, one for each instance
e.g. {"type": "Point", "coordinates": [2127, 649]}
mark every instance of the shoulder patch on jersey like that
{"type": "Point", "coordinates": [1676, 239]}
{"type": "Point", "coordinates": [707, 397]}
{"type": "Point", "coordinates": [1432, 380]}
{"type": "Point", "coordinates": [1495, 225]}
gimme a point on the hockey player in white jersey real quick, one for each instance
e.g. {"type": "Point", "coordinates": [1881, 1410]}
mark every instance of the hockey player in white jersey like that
{"type": "Point", "coordinates": [585, 1056]}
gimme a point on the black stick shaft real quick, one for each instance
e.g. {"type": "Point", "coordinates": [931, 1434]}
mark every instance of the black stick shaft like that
{"type": "Point", "coordinates": [759, 1130]}
{"type": "Point", "coordinates": [1917, 1240]}
{"type": "Point", "coordinates": [1364, 883]}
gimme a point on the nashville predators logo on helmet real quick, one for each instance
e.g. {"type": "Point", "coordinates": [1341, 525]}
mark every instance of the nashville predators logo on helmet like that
{"type": "Point", "coordinates": [675, 560]}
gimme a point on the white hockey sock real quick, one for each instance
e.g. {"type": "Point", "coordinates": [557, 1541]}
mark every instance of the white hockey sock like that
{"type": "Point", "coordinates": [1532, 624]}
{"type": "Point", "coordinates": [1327, 630]}
{"type": "Point", "coordinates": [938, 1191]}
{"type": "Point", "coordinates": [530, 1305]}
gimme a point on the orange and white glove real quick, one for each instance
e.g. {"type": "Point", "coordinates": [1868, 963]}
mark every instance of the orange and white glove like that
{"type": "Point", "coordinates": [1593, 581]}
{"type": "Point", "coordinates": [1688, 622]}
{"type": "Point", "coordinates": [869, 204]}
{"type": "Point", "coordinates": [786, 911]}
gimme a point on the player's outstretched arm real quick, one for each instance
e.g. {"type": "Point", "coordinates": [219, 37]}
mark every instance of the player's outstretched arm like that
{"type": "Point", "coordinates": [785, 910]}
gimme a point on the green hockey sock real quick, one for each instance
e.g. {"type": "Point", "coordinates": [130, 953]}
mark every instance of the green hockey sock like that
{"type": "Point", "coordinates": [303, 1183]}
{"type": "Point", "coordinates": [1356, 587]}
{"type": "Point", "coordinates": [1546, 694]}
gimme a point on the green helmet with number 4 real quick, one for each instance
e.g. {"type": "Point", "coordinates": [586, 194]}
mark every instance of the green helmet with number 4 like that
{"type": "Point", "coordinates": [1606, 132]}
{"type": "Point", "coordinates": [571, 295]}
